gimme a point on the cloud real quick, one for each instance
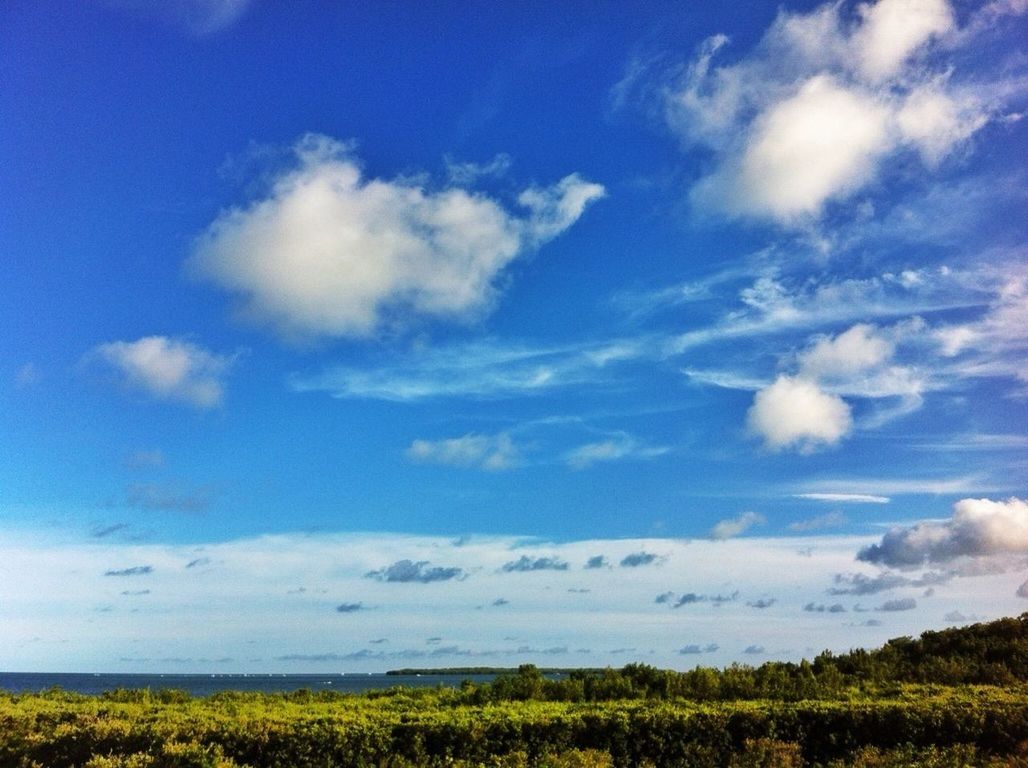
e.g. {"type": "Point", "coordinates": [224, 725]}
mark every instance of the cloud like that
{"type": "Point", "coordinates": [499, 602]}
{"type": "Point", "coordinates": [407, 571]}
{"type": "Point", "coordinates": [636, 559]}
{"type": "Point", "coordinates": [754, 650]}
{"type": "Point", "coordinates": [526, 563]}
{"type": "Point", "coordinates": [27, 375]}
{"type": "Point", "coordinates": [1022, 591]}
{"type": "Point", "coordinates": [901, 604]}
{"type": "Point", "coordinates": [161, 498]}
{"type": "Point", "coordinates": [852, 352]}
{"type": "Point", "coordinates": [169, 369]}
{"type": "Point", "coordinates": [862, 584]}
{"type": "Point", "coordinates": [349, 607]}
{"type": "Point", "coordinates": [691, 598]}
{"type": "Point", "coordinates": [822, 608]}
{"type": "Point", "coordinates": [489, 452]}
{"type": "Point", "coordinates": [977, 528]}
{"type": "Point", "coordinates": [151, 459]}
{"type": "Point", "coordinates": [467, 173]}
{"type": "Point", "coordinates": [196, 17]}
{"type": "Point", "coordinates": [102, 533]}
{"type": "Point", "coordinates": [136, 570]}
{"type": "Point", "coordinates": [328, 253]}
{"type": "Point", "coordinates": [818, 523]}
{"type": "Point", "coordinates": [816, 111]}
{"type": "Point", "coordinates": [695, 649]}
{"type": "Point", "coordinates": [620, 446]}
{"type": "Point", "coordinates": [844, 498]}
{"type": "Point", "coordinates": [135, 592]}
{"type": "Point", "coordinates": [597, 561]}
{"type": "Point", "coordinates": [764, 602]}
{"type": "Point", "coordinates": [794, 412]}
{"type": "Point", "coordinates": [484, 369]}
{"type": "Point", "coordinates": [198, 562]}
{"type": "Point", "coordinates": [735, 526]}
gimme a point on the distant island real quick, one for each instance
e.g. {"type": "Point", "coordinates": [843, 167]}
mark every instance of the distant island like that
{"type": "Point", "coordinates": [456, 671]}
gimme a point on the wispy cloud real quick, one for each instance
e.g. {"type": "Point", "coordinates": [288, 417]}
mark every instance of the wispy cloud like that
{"type": "Point", "coordinates": [844, 498]}
{"type": "Point", "coordinates": [484, 369]}
{"type": "Point", "coordinates": [135, 570]}
{"type": "Point", "coordinates": [616, 448]}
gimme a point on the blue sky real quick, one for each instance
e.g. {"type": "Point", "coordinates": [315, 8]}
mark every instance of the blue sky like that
{"type": "Point", "coordinates": [393, 320]}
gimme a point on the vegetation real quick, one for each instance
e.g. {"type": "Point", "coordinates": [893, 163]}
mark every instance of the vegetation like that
{"type": "Point", "coordinates": [953, 698]}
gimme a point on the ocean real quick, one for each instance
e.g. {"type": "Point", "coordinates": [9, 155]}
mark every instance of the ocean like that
{"type": "Point", "coordinates": [204, 685]}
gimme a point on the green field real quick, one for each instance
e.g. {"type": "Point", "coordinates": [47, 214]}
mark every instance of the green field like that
{"type": "Point", "coordinates": [953, 698]}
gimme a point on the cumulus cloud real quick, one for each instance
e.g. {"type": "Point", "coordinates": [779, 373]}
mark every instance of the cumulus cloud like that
{"type": "Point", "coordinates": [796, 413]}
{"type": "Point", "coordinates": [597, 561]}
{"type": "Point", "coordinates": [812, 114]}
{"type": "Point", "coordinates": [169, 369]}
{"type": "Point", "coordinates": [135, 570]}
{"type": "Point", "coordinates": [754, 650]}
{"type": "Point", "coordinates": [490, 452]}
{"type": "Point", "coordinates": [636, 559]}
{"type": "Point", "coordinates": [735, 526]}
{"type": "Point", "coordinates": [328, 252]}
{"type": "Point", "coordinates": [349, 607]}
{"type": "Point", "coordinates": [407, 571]}
{"type": "Point", "coordinates": [526, 563]}
{"type": "Point", "coordinates": [977, 528]}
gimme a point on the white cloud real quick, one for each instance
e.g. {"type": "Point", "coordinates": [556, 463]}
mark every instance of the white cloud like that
{"type": "Point", "coordinates": [491, 452]}
{"type": "Point", "coordinates": [330, 253]}
{"type": "Point", "coordinates": [898, 486]}
{"type": "Point", "coordinates": [727, 529]}
{"type": "Point", "coordinates": [821, 143]}
{"type": "Point", "coordinates": [480, 369]}
{"type": "Point", "coordinates": [169, 369]}
{"type": "Point", "coordinates": [813, 112]}
{"type": "Point", "coordinates": [977, 528]}
{"type": "Point", "coordinates": [892, 30]}
{"type": "Point", "coordinates": [934, 121]}
{"type": "Point", "coordinates": [852, 352]}
{"type": "Point", "coordinates": [845, 498]}
{"type": "Point", "coordinates": [796, 413]}
{"type": "Point", "coordinates": [618, 447]}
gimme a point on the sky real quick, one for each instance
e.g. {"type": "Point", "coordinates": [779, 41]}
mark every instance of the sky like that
{"type": "Point", "coordinates": [354, 336]}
